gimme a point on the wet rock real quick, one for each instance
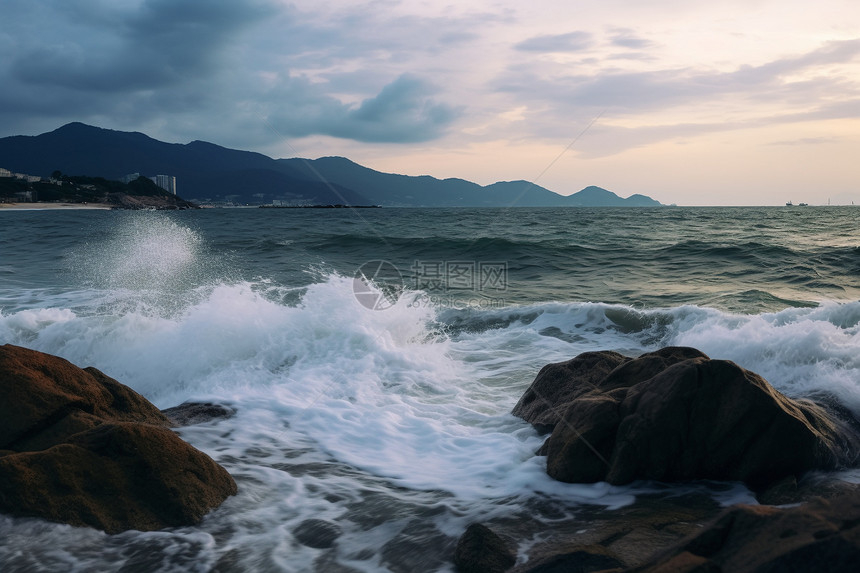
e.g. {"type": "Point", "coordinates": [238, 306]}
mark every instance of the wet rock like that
{"type": "Point", "coordinates": [584, 559]}
{"type": "Point", "coordinates": [480, 550]}
{"type": "Point", "coordinates": [190, 413]}
{"type": "Point", "coordinates": [597, 539]}
{"type": "Point", "coordinates": [114, 477]}
{"type": "Point", "coordinates": [419, 546]}
{"type": "Point", "coordinates": [556, 385]}
{"type": "Point", "coordinates": [676, 415]}
{"type": "Point", "coordinates": [83, 449]}
{"type": "Point", "coordinates": [792, 491]}
{"type": "Point", "coordinates": [822, 535]}
{"type": "Point", "coordinates": [317, 533]}
{"type": "Point", "coordinates": [46, 398]}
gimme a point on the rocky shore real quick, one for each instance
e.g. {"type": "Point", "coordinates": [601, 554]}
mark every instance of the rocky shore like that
{"type": "Point", "coordinates": [80, 448]}
{"type": "Point", "coordinates": [676, 415]}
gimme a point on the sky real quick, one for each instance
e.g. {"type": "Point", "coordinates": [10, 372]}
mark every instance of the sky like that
{"type": "Point", "coordinates": [751, 102]}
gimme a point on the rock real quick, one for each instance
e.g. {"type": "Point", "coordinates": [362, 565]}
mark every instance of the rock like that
{"type": "Point", "coordinates": [114, 477]}
{"type": "Point", "coordinates": [190, 413]}
{"type": "Point", "coordinates": [584, 559]}
{"type": "Point", "coordinates": [80, 448]}
{"type": "Point", "coordinates": [556, 385]}
{"type": "Point", "coordinates": [480, 550]}
{"type": "Point", "coordinates": [815, 484]}
{"type": "Point", "coordinates": [317, 533]}
{"type": "Point", "coordinates": [46, 398]}
{"type": "Point", "coordinates": [597, 539]}
{"type": "Point", "coordinates": [822, 535]}
{"type": "Point", "coordinates": [677, 415]}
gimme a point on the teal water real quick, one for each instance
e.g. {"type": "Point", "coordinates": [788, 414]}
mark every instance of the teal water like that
{"type": "Point", "coordinates": [737, 259]}
{"type": "Point", "coordinates": [373, 356]}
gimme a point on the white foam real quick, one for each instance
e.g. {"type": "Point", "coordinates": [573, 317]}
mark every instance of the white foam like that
{"type": "Point", "coordinates": [800, 351]}
{"type": "Point", "coordinates": [386, 392]}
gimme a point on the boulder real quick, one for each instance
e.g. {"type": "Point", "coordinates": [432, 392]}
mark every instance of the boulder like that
{"type": "Point", "coordinates": [480, 550]}
{"type": "Point", "coordinates": [114, 477]}
{"type": "Point", "coordinates": [46, 398]}
{"type": "Point", "coordinates": [822, 535]}
{"type": "Point", "coordinates": [556, 385]}
{"type": "Point", "coordinates": [677, 415]}
{"type": "Point", "coordinates": [191, 413]}
{"type": "Point", "coordinates": [79, 447]}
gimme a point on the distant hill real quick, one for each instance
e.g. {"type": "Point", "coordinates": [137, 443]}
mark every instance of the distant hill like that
{"type": "Point", "coordinates": [203, 170]}
{"type": "Point", "coordinates": [208, 172]}
{"type": "Point", "coordinates": [426, 191]}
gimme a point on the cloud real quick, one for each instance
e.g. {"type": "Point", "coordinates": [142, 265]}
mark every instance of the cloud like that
{"type": "Point", "coordinates": [641, 107]}
{"type": "Point", "coordinates": [804, 141]}
{"type": "Point", "coordinates": [174, 65]}
{"type": "Point", "coordinates": [248, 74]}
{"type": "Point", "coordinates": [623, 91]}
{"type": "Point", "coordinates": [570, 42]}
{"type": "Point", "coordinates": [159, 44]}
{"type": "Point", "coordinates": [402, 112]}
{"type": "Point", "coordinates": [627, 38]}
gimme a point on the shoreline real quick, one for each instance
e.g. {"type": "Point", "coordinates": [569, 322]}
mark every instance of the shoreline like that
{"type": "Point", "coordinates": [49, 206]}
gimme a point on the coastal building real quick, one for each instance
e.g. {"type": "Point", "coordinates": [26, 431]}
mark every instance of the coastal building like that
{"type": "Point", "coordinates": [27, 178]}
{"type": "Point", "coordinates": [166, 182]}
{"type": "Point", "coordinates": [5, 172]}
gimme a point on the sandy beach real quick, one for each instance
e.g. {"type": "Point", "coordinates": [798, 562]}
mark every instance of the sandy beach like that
{"type": "Point", "coordinates": [42, 206]}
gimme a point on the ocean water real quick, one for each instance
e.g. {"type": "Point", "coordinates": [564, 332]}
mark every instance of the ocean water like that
{"type": "Point", "coordinates": [373, 356]}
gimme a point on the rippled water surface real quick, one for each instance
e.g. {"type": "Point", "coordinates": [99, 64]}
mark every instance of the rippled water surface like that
{"type": "Point", "coordinates": [390, 421]}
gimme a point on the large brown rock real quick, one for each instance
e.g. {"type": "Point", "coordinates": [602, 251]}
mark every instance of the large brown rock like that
{"type": "Point", "coordinates": [79, 447]}
{"type": "Point", "coordinates": [822, 535]}
{"type": "Point", "coordinates": [116, 476]}
{"type": "Point", "coordinates": [676, 415]}
{"type": "Point", "coordinates": [558, 384]}
{"type": "Point", "coordinates": [46, 398]}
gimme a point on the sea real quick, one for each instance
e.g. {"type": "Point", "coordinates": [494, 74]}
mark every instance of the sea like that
{"type": "Point", "coordinates": [373, 356]}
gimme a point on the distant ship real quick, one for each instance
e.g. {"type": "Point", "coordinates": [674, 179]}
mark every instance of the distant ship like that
{"type": "Point", "coordinates": [790, 204]}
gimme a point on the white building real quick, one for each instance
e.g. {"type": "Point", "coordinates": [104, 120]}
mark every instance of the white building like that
{"type": "Point", "coordinates": [166, 182]}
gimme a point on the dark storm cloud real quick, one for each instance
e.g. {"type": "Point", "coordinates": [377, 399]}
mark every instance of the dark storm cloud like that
{"type": "Point", "coordinates": [570, 42]}
{"type": "Point", "coordinates": [163, 43]}
{"type": "Point", "coordinates": [403, 111]}
{"type": "Point", "coordinates": [212, 69]}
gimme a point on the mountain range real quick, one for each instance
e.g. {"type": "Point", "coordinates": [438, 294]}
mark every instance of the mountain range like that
{"type": "Point", "coordinates": [209, 173]}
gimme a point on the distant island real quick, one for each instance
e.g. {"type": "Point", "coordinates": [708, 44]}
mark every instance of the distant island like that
{"type": "Point", "coordinates": [208, 174]}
